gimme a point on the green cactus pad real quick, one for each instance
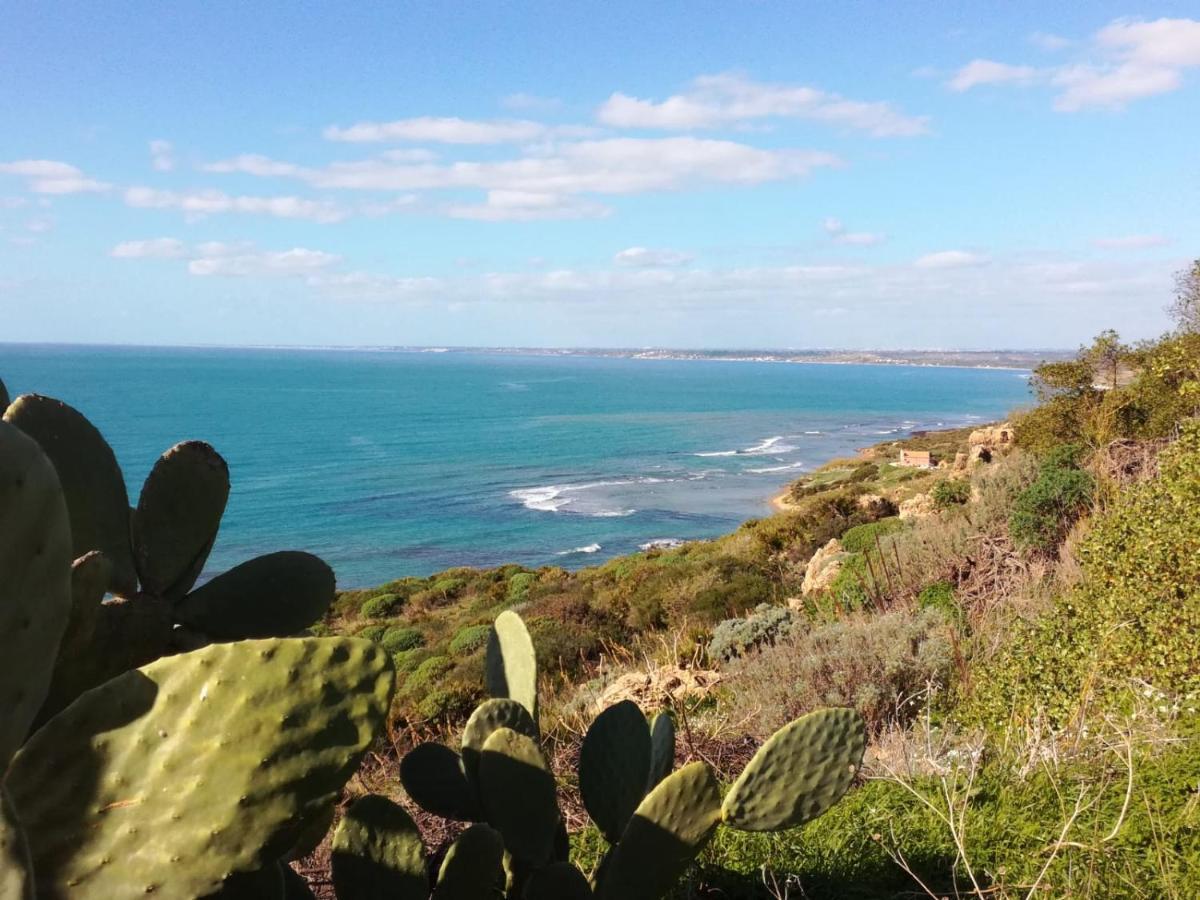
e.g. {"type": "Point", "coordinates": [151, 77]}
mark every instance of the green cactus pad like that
{"type": "Point", "coordinates": [312, 832]}
{"type": "Point", "coordinates": [35, 582]}
{"type": "Point", "coordinates": [3, 397]}
{"type": "Point", "coordinates": [662, 748]}
{"type": "Point", "coordinates": [670, 827]}
{"type": "Point", "coordinates": [378, 854]}
{"type": "Point", "coordinates": [91, 480]}
{"type": "Point", "coordinates": [16, 871]}
{"type": "Point", "coordinates": [262, 884]}
{"type": "Point", "coordinates": [171, 778]}
{"type": "Point", "coordinates": [801, 771]}
{"type": "Point", "coordinates": [511, 662]}
{"type": "Point", "coordinates": [434, 778]}
{"type": "Point", "coordinates": [177, 517]}
{"type": "Point", "coordinates": [474, 866]}
{"type": "Point", "coordinates": [487, 717]}
{"type": "Point", "coordinates": [273, 595]}
{"type": "Point", "coordinates": [519, 797]}
{"type": "Point", "coordinates": [557, 881]}
{"type": "Point", "coordinates": [614, 767]}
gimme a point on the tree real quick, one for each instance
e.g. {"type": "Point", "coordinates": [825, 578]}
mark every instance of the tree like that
{"type": "Point", "coordinates": [1185, 309]}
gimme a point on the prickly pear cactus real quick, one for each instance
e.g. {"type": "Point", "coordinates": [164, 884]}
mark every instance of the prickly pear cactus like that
{"type": "Point", "coordinates": [378, 854]}
{"type": "Point", "coordinates": [474, 866]}
{"type": "Point", "coordinates": [662, 748]}
{"type": "Point", "coordinates": [91, 480]}
{"type": "Point", "coordinates": [519, 795]}
{"type": "Point", "coordinates": [177, 517]}
{"type": "Point", "coordinates": [3, 397]}
{"type": "Point", "coordinates": [801, 771]}
{"type": "Point", "coordinates": [16, 871]}
{"type": "Point", "coordinates": [434, 777]}
{"type": "Point", "coordinates": [488, 717]}
{"type": "Point", "coordinates": [170, 779]}
{"type": "Point", "coordinates": [557, 881]}
{"type": "Point", "coordinates": [512, 663]}
{"type": "Point", "coordinates": [35, 582]}
{"type": "Point", "coordinates": [669, 828]}
{"type": "Point", "coordinates": [614, 767]}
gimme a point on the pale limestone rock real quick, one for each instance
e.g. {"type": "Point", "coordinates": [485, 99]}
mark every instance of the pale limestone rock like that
{"type": "Point", "coordinates": [823, 568]}
{"type": "Point", "coordinates": [918, 507]}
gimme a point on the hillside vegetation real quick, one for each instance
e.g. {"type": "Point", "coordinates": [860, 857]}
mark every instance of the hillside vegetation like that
{"type": "Point", "coordinates": [1020, 636]}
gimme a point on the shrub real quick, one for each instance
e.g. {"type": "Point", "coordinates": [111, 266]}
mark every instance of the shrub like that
{"type": "Point", "coordinates": [861, 538]}
{"type": "Point", "coordinates": [939, 596]}
{"type": "Point", "coordinates": [407, 660]}
{"type": "Point", "coordinates": [879, 664]}
{"type": "Point", "coordinates": [739, 592]}
{"type": "Point", "coordinates": [448, 586]}
{"type": "Point", "coordinates": [371, 632]}
{"type": "Point", "coordinates": [1044, 512]}
{"type": "Point", "coordinates": [380, 607]}
{"type": "Point", "coordinates": [432, 668]}
{"type": "Point", "coordinates": [734, 637]}
{"type": "Point", "coordinates": [950, 492]}
{"type": "Point", "coordinates": [397, 639]}
{"type": "Point", "coordinates": [518, 587]}
{"type": "Point", "coordinates": [469, 639]}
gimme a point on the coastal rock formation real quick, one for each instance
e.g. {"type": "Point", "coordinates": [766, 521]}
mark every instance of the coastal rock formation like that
{"type": "Point", "coordinates": [660, 686]}
{"type": "Point", "coordinates": [986, 442]}
{"type": "Point", "coordinates": [877, 505]}
{"type": "Point", "coordinates": [824, 567]}
{"type": "Point", "coordinates": [919, 507]}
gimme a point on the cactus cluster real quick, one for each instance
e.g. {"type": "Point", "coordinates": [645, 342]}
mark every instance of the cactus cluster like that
{"type": "Point", "coordinates": [655, 820]}
{"type": "Point", "coordinates": [199, 774]}
{"type": "Point", "coordinates": [150, 557]}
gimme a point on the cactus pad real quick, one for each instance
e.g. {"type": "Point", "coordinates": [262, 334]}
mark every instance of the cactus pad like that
{"type": "Point", "coordinates": [487, 717]}
{"type": "Point", "coordinates": [519, 795]}
{"type": "Point", "coordinates": [378, 854]}
{"type": "Point", "coordinates": [511, 662]}
{"type": "Point", "coordinates": [172, 778]}
{"type": "Point", "coordinates": [557, 881]}
{"type": "Point", "coordinates": [614, 767]}
{"type": "Point", "coordinates": [434, 778]}
{"type": "Point", "coordinates": [670, 827]}
{"type": "Point", "coordinates": [16, 872]}
{"type": "Point", "coordinates": [662, 748]}
{"type": "Point", "coordinates": [177, 517]}
{"type": "Point", "coordinates": [92, 486]}
{"type": "Point", "coordinates": [295, 885]}
{"type": "Point", "coordinates": [35, 582]}
{"type": "Point", "coordinates": [269, 596]}
{"type": "Point", "coordinates": [474, 866]}
{"type": "Point", "coordinates": [801, 771]}
{"type": "Point", "coordinates": [3, 397]}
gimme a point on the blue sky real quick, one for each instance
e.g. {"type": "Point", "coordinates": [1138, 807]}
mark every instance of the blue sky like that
{"type": "Point", "coordinates": [596, 174]}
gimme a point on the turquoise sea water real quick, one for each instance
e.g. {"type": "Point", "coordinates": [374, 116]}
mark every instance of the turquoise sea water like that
{"type": "Point", "coordinates": [390, 464]}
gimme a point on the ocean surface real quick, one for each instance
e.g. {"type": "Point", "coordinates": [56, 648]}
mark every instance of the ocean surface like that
{"type": "Point", "coordinates": [400, 463]}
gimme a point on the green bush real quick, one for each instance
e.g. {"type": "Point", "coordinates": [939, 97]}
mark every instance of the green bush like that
{"type": "Point", "coordinates": [371, 632]}
{"type": "Point", "coordinates": [448, 586]}
{"type": "Point", "coordinates": [381, 606]}
{"type": "Point", "coordinates": [518, 587]}
{"type": "Point", "coordinates": [407, 660]}
{"type": "Point", "coordinates": [734, 637]}
{"type": "Point", "coordinates": [469, 639]}
{"type": "Point", "coordinates": [861, 538]}
{"type": "Point", "coordinates": [428, 671]}
{"type": "Point", "coordinates": [950, 492]}
{"type": "Point", "coordinates": [1044, 512]}
{"type": "Point", "coordinates": [739, 592]}
{"type": "Point", "coordinates": [939, 596]}
{"type": "Point", "coordinates": [397, 639]}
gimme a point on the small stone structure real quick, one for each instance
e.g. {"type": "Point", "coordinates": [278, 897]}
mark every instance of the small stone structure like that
{"type": "Point", "coordinates": [917, 459]}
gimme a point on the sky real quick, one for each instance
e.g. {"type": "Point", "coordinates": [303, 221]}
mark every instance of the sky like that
{"type": "Point", "coordinates": [700, 174]}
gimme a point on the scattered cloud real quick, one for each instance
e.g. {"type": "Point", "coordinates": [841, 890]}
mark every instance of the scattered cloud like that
{"type": "Point", "coordinates": [526, 206]}
{"type": "Point", "coordinates": [529, 103]}
{"type": "Point", "coordinates": [221, 258]}
{"type": "Point", "coordinates": [986, 71]}
{"type": "Point", "coordinates": [154, 248]}
{"type": "Point", "coordinates": [1131, 242]}
{"type": "Point", "coordinates": [162, 156]}
{"type": "Point", "coordinates": [837, 232]}
{"type": "Point", "coordinates": [951, 259]}
{"type": "Point", "coordinates": [453, 130]}
{"type": "Point", "coordinates": [1044, 40]}
{"type": "Point", "coordinates": [47, 176]}
{"type": "Point", "coordinates": [644, 257]}
{"type": "Point", "coordinates": [713, 101]}
{"type": "Point", "coordinates": [211, 202]}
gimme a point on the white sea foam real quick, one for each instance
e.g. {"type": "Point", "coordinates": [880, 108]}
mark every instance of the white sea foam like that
{"type": "Point", "coordinates": [590, 548]}
{"type": "Point", "coordinates": [764, 471]}
{"type": "Point", "coordinates": [661, 544]}
{"type": "Point", "coordinates": [613, 513]}
{"type": "Point", "coordinates": [550, 497]}
{"type": "Point", "coordinates": [763, 448]}
{"type": "Point", "coordinates": [543, 499]}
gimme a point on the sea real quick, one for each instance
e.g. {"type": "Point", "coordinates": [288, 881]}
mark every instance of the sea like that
{"type": "Point", "coordinates": [389, 463]}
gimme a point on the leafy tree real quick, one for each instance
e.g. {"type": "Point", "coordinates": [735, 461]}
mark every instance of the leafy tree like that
{"type": "Point", "coordinates": [1185, 308]}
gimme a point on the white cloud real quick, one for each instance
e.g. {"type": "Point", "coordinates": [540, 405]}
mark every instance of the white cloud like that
{"type": "Point", "coordinates": [526, 206]}
{"type": "Point", "coordinates": [645, 257]}
{"type": "Point", "coordinates": [453, 130]}
{"type": "Point", "coordinates": [726, 99]}
{"type": "Point", "coordinates": [48, 176]}
{"type": "Point", "coordinates": [154, 248]}
{"type": "Point", "coordinates": [1164, 42]}
{"type": "Point", "coordinates": [210, 202]}
{"type": "Point", "coordinates": [1132, 242]}
{"type": "Point", "coordinates": [1087, 86]}
{"type": "Point", "coordinates": [951, 259]}
{"type": "Point", "coordinates": [295, 262]}
{"type": "Point", "coordinates": [1044, 40]}
{"type": "Point", "coordinates": [162, 156]}
{"type": "Point", "coordinates": [986, 71]}
{"type": "Point", "coordinates": [837, 232]}
{"type": "Point", "coordinates": [255, 164]}
{"type": "Point", "coordinates": [522, 102]}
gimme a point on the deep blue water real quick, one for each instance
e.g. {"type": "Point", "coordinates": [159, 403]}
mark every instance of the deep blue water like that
{"type": "Point", "coordinates": [391, 464]}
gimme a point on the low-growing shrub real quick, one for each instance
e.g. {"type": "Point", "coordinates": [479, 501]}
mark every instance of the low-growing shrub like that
{"type": "Point", "coordinates": [740, 592]}
{"type": "Point", "coordinates": [381, 606]}
{"type": "Point", "coordinates": [1045, 511]}
{"type": "Point", "coordinates": [879, 664]}
{"type": "Point", "coordinates": [407, 660]}
{"type": "Point", "coordinates": [424, 674]}
{"type": "Point", "coordinates": [734, 637]}
{"type": "Point", "coordinates": [950, 492]}
{"type": "Point", "coordinates": [371, 632]}
{"type": "Point", "coordinates": [469, 639]}
{"type": "Point", "coordinates": [449, 586]}
{"type": "Point", "coordinates": [518, 587]}
{"type": "Point", "coordinates": [398, 638]}
{"type": "Point", "coordinates": [861, 538]}
{"type": "Point", "coordinates": [939, 596]}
